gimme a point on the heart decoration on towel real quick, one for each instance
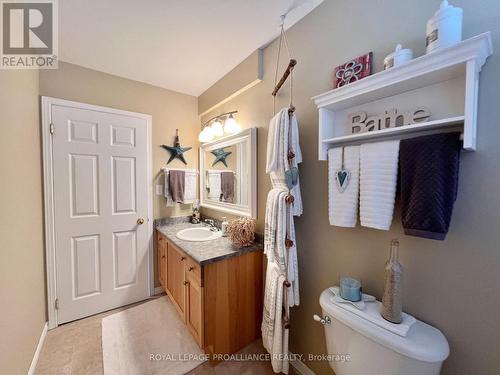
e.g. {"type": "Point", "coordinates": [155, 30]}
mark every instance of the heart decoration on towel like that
{"type": "Point", "coordinates": [342, 176]}
{"type": "Point", "coordinates": [292, 177]}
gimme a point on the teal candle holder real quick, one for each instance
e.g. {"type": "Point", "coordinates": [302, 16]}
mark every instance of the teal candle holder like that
{"type": "Point", "coordinates": [350, 289]}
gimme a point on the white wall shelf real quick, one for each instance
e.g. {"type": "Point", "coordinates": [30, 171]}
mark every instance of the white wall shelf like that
{"type": "Point", "coordinates": [462, 61]}
{"type": "Point", "coordinates": [400, 132]}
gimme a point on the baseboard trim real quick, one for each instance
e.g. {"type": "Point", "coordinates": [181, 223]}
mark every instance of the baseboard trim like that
{"type": "Point", "coordinates": [158, 290]}
{"type": "Point", "coordinates": [301, 367]}
{"type": "Point", "coordinates": [34, 361]}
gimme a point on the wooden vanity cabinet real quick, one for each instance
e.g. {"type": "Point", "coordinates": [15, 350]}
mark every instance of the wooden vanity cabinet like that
{"type": "Point", "coordinates": [194, 301]}
{"type": "Point", "coordinates": [176, 261]}
{"type": "Point", "coordinates": [220, 303]}
{"type": "Point", "coordinates": [162, 260]}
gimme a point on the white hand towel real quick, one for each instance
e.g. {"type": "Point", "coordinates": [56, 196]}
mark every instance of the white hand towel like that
{"type": "Point", "coordinates": [343, 206]}
{"type": "Point", "coordinates": [378, 179]}
{"type": "Point", "coordinates": [190, 186]}
{"type": "Point", "coordinates": [214, 184]}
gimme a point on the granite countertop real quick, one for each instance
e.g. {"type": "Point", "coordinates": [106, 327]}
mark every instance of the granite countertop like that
{"type": "Point", "coordinates": [204, 252]}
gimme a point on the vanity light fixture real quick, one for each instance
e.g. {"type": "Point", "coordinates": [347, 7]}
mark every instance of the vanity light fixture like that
{"type": "Point", "coordinates": [231, 126]}
{"type": "Point", "coordinates": [217, 128]}
{"type": "Point", "coordinates": [213, 128]}
{"type": "Point", "coordinates": [206, 135]}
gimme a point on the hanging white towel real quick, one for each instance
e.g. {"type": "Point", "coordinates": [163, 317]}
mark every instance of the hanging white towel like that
{"type": "Point", "coordinates": [343, 206]}
{"type": "Point", "coordinates": [272, 324]}
{"type": "Point", "coordinates": [275, 141]}
{"type": "Point", "coordinates": [378, 179]}
{"type": "Point", "coordinates": [270, 225]}
{"type": "Point", "coordinates": [281, 132]}
{"type": "Point", "coordinates": [190, 186]}
{"type": "Point", "coordinates": [213, 184]}
{"type": "Point", "coordinates": [293, 268]}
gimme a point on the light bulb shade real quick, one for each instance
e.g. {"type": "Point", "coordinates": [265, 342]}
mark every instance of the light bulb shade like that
{"type": "Point", "coordinates": [231, 126]}
{"type": "Point", "coordinates": [217, 129]}
{"type": "Point", "coordinates": [206, 135]}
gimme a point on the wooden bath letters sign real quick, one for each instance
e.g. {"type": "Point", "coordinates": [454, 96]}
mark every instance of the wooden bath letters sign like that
{"type": "Point", "coordinates": [360, 122]}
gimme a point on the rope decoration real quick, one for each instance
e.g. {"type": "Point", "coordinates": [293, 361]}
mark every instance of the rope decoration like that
{"type": "Point", "coordinates": [241, 231]}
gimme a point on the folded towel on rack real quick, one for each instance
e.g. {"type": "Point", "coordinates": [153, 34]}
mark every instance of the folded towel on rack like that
{"type": "Point", "coordinates": [176, 184]}
{"type": "Point", "coordinates": [278, 181]}
{"type": "Point", "coordinates": [227, 186]}
{"type": "Point", "coordinates": [429, 168]}
{"type": "Point", "coordinates": [293, 267]}
{"type": "Point", "coordinates": [272, 319]}
{"type": "Point", "coordinates": [190, 186]}
{"type": "Point", "coordinates": [283, 136]}
{"type": "Point", "coordinates": [214, 184]}
{"type": "Point", "coordinates": [270, 223]}
{"type": "Point", "coordinates": [343, 205]}
{"type": "Point", "coordinates": [378, 180]}
{"type": "Point", "coordinates": [275, 234]}
{"type": "Point", "coordinates": [275, 141]}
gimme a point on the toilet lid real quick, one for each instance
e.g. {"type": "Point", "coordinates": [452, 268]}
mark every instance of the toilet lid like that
{"type": "Point", "coordinates": [423, 342]}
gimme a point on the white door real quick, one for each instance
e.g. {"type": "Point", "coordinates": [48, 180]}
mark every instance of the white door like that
{"type": "Point", "coordinates": [100, 161]}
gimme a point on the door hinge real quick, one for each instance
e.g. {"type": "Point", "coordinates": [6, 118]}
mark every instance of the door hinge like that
{"type": "Point", "coordinates": [51, 128]}
{"type": "Point", "coordinates": [56, 303]}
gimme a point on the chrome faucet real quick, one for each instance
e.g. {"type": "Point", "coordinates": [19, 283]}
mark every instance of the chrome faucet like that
{"type": "Point", "coordinates": [211, 224]}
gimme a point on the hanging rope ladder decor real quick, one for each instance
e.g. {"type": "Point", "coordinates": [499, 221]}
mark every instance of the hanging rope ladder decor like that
{"type": "Point", "coordinates": [290, 156]}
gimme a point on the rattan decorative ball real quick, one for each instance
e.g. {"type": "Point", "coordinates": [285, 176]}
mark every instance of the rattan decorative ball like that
{"type": "Point", "coordinates": [241, 231]}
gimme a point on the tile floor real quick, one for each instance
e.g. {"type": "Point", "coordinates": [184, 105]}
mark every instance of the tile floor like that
{"type": "Point", "coordinates": [75, 348]}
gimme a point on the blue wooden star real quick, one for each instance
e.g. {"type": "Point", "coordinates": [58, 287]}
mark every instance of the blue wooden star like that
{"type": "Point", "coordinates": [220, 156]}
{"type": "Point", "coordinates": [176, 151]}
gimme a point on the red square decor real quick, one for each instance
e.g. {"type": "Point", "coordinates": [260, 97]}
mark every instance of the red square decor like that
{"type": "Point", "coordinates": [353, 71]}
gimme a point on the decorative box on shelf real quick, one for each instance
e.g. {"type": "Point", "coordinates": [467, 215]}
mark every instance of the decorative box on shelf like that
{"type": "Point", "coordinates": [427, 94]}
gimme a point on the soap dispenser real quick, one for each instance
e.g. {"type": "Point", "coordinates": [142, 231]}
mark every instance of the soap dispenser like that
{"type": "Point", "coordinates": [224, 225]}
{"type": "Point", "coordinates": [392, 303]}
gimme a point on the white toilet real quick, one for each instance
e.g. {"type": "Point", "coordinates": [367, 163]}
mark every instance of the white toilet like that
{"type": "Point", "coordinates": [357, 346]}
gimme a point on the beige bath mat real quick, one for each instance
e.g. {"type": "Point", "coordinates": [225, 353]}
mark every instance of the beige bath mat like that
{"type": "Point", "coordinates": [148, 339]}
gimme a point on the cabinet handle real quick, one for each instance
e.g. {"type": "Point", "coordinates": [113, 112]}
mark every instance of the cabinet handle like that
{"type": "Point", "coordinates": [190, 269]}
{"type": "Point", "coordinates": [186, 282]}
{"type": "Point", "coordinates": [183, 258]}
{"type": "Point", "coordinates": [163, 256]}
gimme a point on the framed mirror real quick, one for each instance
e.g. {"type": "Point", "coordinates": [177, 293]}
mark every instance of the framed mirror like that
{"type": "Point", "coordinates": [228, 174]}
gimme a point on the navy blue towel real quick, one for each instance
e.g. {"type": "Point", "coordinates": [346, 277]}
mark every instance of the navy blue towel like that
{"type": "Point", "coordinates": [429, 181]}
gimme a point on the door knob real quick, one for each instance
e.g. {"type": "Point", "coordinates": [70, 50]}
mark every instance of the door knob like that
{"type": "Point", "coordinates": [140, 221]}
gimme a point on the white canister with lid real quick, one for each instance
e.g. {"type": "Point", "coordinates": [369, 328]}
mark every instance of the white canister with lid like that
{"type": "Point", "coordinates": [398, 57]}
{"type": "Point", "coordinates": [445, 28]}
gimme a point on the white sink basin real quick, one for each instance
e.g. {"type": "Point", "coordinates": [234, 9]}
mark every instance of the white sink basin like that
{"type": "Point", "coordinates": [198, 234]}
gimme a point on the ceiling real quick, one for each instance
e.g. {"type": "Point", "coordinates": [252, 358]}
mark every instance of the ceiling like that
{"type": "Point", "coordinates": [182, 45]}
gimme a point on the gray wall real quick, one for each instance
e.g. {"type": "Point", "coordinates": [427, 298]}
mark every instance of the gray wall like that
{"type": "Point", "coordinates": [22, 281]}
{"type": "Point", "coordinates": [452, 285]}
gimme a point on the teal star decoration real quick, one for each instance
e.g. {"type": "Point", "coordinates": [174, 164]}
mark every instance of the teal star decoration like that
{"type": "Point", "coordinates": [220, 156]}
{"type": "Point", "coordinates": [176, 151]}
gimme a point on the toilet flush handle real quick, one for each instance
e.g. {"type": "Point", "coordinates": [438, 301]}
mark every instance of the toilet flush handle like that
{"type": "Point", "coordinates": [325, 320]}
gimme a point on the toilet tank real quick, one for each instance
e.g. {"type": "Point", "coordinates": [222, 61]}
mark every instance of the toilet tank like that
{"type": "Point", "coordinates": [359, 347]}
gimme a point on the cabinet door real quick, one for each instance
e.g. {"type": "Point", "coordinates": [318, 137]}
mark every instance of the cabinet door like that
{"type": "Point", "coordinates": [162, 260]}
{"type": "Point", "coordinates": [194, 304]}
{"type": "Point", "coordinates": [175, 277]}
